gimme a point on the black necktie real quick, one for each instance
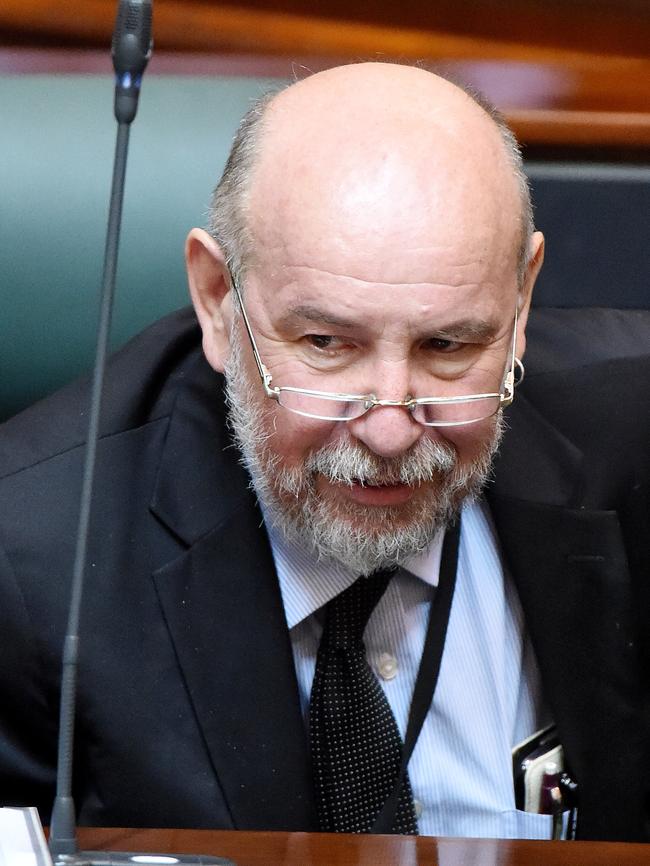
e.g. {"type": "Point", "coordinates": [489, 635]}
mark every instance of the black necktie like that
{"type": "Point", "coordinates": [355, 743]}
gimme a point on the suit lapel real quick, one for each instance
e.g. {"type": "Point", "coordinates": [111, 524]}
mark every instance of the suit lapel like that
{"type": "Point", "coordinates": [222, 606]}
{"type": "Point", "coordinates": [570, 569]}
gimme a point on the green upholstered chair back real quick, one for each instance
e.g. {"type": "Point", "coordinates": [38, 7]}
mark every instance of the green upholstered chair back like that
{"type": "Point", "coordinates": [57, 137]}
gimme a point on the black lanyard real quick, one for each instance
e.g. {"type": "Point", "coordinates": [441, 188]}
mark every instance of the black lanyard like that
{"type": "Point", "coordinates": [429, 670]}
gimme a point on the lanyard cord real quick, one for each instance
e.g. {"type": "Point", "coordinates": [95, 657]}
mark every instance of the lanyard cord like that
{"type": "Point", "coordinates": [429, 670]}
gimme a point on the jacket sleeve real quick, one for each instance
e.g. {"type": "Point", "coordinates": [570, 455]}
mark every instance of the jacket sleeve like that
{"type": "Point", "coordinates": [28, 707]}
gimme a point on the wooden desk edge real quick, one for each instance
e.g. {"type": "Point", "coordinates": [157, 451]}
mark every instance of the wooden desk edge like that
{"type": "Point", "coordinates": [263, 848]}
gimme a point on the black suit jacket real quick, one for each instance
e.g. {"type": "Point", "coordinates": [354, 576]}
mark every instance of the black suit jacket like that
{"type": "Point", "coordinates": [188, 708]}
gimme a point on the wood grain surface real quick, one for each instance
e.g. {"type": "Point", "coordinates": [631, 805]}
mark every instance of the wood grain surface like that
{"type": "Point", "coordinates": [320, 849]}
{"type": "Point", "coordinates": [565, 72]}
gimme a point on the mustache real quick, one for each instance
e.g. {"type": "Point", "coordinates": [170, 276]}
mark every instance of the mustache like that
{"type": "Point", "coordinates": [350, 463]}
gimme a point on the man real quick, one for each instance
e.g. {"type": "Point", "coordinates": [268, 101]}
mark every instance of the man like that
{"type": "Point", "coordinates": [365, 291]}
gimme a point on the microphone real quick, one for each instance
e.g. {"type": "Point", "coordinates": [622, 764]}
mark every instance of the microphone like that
{"type": "Point", "coordinates": [130, 49]}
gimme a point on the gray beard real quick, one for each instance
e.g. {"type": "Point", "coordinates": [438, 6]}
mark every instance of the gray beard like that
{"type": "Point", "coordinates": [363, 538]}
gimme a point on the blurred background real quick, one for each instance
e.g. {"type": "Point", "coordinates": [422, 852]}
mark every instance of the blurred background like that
{"type": "Point", "coordinates": [572, 77]}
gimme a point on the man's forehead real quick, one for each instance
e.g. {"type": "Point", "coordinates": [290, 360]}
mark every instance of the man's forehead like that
{"type": "Point", "coordinates": [385, 251]}
{"type": "Point", "coordinates": [300, 299]}
{"type": "Point", "coordinates": [375, 201]}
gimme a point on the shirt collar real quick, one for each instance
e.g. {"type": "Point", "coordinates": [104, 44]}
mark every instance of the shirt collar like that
{"type": "Point", "coordinates": [307, 584]}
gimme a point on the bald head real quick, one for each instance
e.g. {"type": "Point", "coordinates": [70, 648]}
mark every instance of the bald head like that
{"type": "Point", "coordinates": [370, 143]}
{"type": "Point", "coordinates": [367, 110]}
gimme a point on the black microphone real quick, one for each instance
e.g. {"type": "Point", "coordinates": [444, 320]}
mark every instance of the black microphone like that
{"type": "Point", "coordinates": [131, 49]}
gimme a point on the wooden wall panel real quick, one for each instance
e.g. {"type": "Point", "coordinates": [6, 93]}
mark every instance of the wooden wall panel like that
{"type": "Point", "coordinates": [606, 27]}
{"type": "Point", "coordinates": [564, 71]}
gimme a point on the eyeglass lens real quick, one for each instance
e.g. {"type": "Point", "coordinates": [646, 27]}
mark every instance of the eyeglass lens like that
{"type": "Point", "coordinates": [332, 408]}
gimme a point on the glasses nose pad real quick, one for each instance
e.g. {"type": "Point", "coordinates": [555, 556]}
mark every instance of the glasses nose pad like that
{"type": "Point", "coordinates": [369, 402]}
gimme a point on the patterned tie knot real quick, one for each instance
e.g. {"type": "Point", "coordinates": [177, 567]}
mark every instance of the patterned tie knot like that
{"type": "Point", "coordinates": [349, 612]}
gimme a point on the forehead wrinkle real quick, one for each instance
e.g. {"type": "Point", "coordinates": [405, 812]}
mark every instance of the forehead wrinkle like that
{"type": "Point", "coordinates": [457, 283]}
{"type": "Point", "coordinates": [486, 285]}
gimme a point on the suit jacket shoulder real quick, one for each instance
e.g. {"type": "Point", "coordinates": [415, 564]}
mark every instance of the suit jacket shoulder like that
{"type": "Point", "coordinates": [186, 684]}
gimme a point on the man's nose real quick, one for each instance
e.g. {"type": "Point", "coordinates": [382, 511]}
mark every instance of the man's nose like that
{"type": "Point", "coordinates": [388, 431]}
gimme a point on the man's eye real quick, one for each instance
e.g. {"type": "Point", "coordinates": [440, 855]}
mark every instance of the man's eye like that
{"type": "Point", "coordinates": [438, 344]}
{"type": "Point", "coordinates": [321, 341]}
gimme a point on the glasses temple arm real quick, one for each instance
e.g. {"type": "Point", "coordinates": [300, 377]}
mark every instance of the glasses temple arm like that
{"type": "Point", "coordinates": [264, 373]}
{"type": "Point", "coordinates": [510, 376]}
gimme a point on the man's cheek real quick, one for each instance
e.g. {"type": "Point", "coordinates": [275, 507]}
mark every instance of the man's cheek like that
{"type": "Point", "coordinates": [471, 440]}
{"type": "Point", "coordinates": [294, 438]}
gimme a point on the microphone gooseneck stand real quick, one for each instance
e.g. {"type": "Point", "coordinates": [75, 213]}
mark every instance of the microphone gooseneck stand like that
{"type": "Point", "coordinates": [131, 50]}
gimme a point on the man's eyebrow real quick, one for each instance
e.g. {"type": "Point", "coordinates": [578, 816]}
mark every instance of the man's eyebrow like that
{"type": "Point", "coordinates": [468, 329]}
{"type": "Point", "coordinates": [481, 330]}
{"type": "Point", "coordinates": [306, 313]}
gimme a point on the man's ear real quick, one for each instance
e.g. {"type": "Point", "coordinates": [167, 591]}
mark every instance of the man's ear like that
{"type": "Point", "coordinates": [209, 283]}
{"type": "Point", "coordinates": [535, 260]}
